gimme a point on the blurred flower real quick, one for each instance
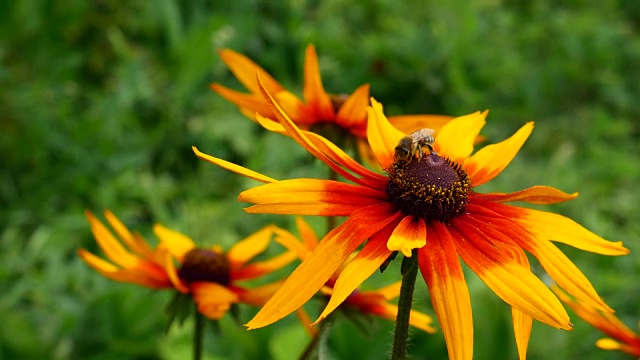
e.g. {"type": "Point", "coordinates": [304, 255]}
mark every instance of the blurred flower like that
{"type": "Point", "coordinates": [429, 204]}
{"type": "Point", "coordinates": [371, 302]}
{"type": "Point", "coordinates": [210, 275]}
{"type": "Point", "coordinates": [320, 110]}
{"type": "Point", "coordinates": [622, 337]}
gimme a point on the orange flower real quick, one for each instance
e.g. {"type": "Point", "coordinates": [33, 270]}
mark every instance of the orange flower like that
{"type": "Point", "coordinates": [210, 275]}
{"type": "Point", "coordinates": [348, 113]}
{"type": "Point", "coordinates": [428, 203]}
{"type": "Point", "coordinates": [373, 302]}
{"type": "Point", "coordinates": [622, 337]}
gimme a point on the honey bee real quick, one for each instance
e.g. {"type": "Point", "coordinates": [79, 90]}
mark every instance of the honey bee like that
{"type": "Point", "coordinates": [412, 144]}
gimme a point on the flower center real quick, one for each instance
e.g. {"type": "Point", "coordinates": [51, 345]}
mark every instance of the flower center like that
{"type": "Point", "coordinates": [205, 265]}
{"type": "Point", "coordinates": [431, 187]}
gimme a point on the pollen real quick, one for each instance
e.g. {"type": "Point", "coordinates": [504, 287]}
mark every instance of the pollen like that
{"type": "Point", "coordinates": [432, 187]}
{"type": "Point", "coordinates": [205, 265]}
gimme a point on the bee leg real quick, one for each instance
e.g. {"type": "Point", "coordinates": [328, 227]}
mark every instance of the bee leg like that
{"type": "Point", "coordinates": [431, 150]}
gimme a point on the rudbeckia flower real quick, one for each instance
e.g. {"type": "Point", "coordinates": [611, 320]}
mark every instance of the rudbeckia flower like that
{"type": "Point", "coordinates": [368, 302]}
{"type": "Point", "coordinates": [318, 109]}
{"type": "Point", "coordinates": [428, 203]}
{"type": "Point", "coordinates": [210, 275]}
{"type": "Point", "coordinates": [622, 338]}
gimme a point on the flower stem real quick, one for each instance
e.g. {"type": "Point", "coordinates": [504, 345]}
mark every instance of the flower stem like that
{"type": "Point", "coordinates": [409, 270]}
{"type": "Point", "coordinates": [198, 335]}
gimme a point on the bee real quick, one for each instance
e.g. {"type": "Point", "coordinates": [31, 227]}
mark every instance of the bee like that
{"type": "Point", "coordinates": [412, 144]}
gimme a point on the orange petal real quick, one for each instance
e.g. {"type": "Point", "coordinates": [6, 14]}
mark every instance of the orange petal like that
{"type": "Point", "coordinates": [250, 104]}
{"type": "Point", "coordinates": [448, 290]}
{"type": "Point", "coordinates": [410, 234]}
{"type": "Point", "coordinates": [110, 245]}
{"type": "Point", "coordinates": [542, 195]}
{"type": "Point", "coordinates": [260, 295]}
{"type": "Point", "coordinates": [311, 275]}
{"type": "Point", "coordinates": [383, 137]}
{"type": "Point", "coordinates": [177, 243]}
{"type": "Point", "coordinates": [416, 319]}
{"type": "Point", "coordinates": [250, 246]}
{"type": "Point", "coordinates": [388, 292]}
{"type": "Point", "coordinates": [456, 138]}
{"type": "Point", "coordinates": [245, 71]}
{"type": "Point", "coordinates": [291, 243]}
{"type": "Point", "coordinates": [353, 113]}
{"type": "Point", "coordinates": [213, 300]}
{"type": "Point", "coordinates": [134, 243]}
{"type": "Point", "coordinates": [146, 277]}
{"type": "Point", "coordinates": [489, 161]}
{"type": "Point", "coordinates": [410, 123]}
{"type": "Point", "coordinates": [308, 236]}
{"type": "Point", "coordinates": [261, 268]}
{"type": "Point", "coordinates": [522, 324]}
{"type": "Point", "coordinates": [310, 197]}
{"type": "Point", "coordinates": [233, 167]}
{"type": "Point", "coordinates": [301, 138]}
{"type": "Point", "coordinates": [170, 271]}
{"type": "Point", "coordinates": [313, 92]}
{"type": "Point", "coordinates": [306, 322]}
{"type": "Point", "coordinates": [368, 260]}
{"type": "Point", "coordinates": [512, 282]}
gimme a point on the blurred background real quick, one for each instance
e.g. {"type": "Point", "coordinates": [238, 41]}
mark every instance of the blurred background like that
{"type": "Point", "coordinates": [101, 101]}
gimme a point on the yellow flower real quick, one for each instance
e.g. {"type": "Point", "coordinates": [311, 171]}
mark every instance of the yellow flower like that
{"type": "Point", "coordinates": [210, 275]}
{"type": "Point", "coordinates": [348, 113]}
{"type": "Point", "coordinates": [622, 337]}
{"type": "Point", "coordinates": [429, 204]}
{"type": "Point", "coordinates": [372, 302]}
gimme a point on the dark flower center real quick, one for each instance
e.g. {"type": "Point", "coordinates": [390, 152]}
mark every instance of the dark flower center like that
{"type": "Point", "coordinates": [205, 265]}
{"type": "Point", "coordinates": [432, 188]}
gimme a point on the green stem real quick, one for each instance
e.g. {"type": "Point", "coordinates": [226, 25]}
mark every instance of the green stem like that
{"type": "Point", "coordinates": [409, 271]}
{"type": "Point", "coordinates": [198, 335]}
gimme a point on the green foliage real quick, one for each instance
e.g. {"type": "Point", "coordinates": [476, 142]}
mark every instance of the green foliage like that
{"type": "Point", "coordinates": [100, 103]}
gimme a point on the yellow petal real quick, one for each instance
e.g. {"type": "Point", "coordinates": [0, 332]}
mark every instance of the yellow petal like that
{"type": "Point", "coordinates": [310, 197]}
{"type": "Point", "coordinates": [134, 243]}
{"type": "Point", "coordinates": [250, 246]}
{"type": "Point", "coordinates": [170, 271]}
{"type": "Point", "coordinates": [261, 268]}
{"type": "Point", "coordinates": [383, 137]}
{"type": "Point", "coordinates": [291, 243]}
{"type": "Point", "coordinates": [489, 161]}
{"type": "Point", "coordinates": [559, 228]}
{"type": "Point", "coordinates": [245, 71]}
{"type": "Point", "coordinates": [535, 195]}
{"type": "Point", "coordinates": [140, 276]}
{"type": "Point", "coordinates": [410, 234]}
{"type": "Point", "coordinates": [416, 319]}
{"type": "Point", "coordinates": [213, 300]}
{"type": "Point", "coordinates": [368, 260]}
{"type": "Point", "coordinates": [609, 344]}
{"type": "Point", "coordinates": [353, 113]}
{"type": "Point", "coordinates": [311, 275]}
{"type": "Point", "coordinates": [233, 167]}
{"type": "Point", "coordinates": [260, 295]}
{"type": "Point", "coordinates": [177, 243]}
{"type": "Point", "coordinates": [313, 92]}
{"type": "Point", "coordinates": [388, 292]}
{"type": "Point", "coordinates": [456, 138]}
{"type": "Point", "coordinates": [522, 324]}
{"type": "Point", "coordinates": [308, 236]}
{"type": "Point", "coordinates": [511, 281]}
{"type": "Point", "coordinates": [110, 245]}
{"type": "Point", "coordinates": [250, 104]}
{"type": "Point", "coordinates": [448, 290]}
{"type": "Point", "coordinates": [410, 123]}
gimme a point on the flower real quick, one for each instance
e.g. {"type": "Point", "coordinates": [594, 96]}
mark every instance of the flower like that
{"type": "Point", "coordinates": [347, 112]}
{"type": "Point", "coordinates": [210, 275]}
{"type": "Point", "coordinates": [622, 337]}
{"type": "Point", "coordinates": [372, 302]}
{"type": "Point", "coordinates": [431, 204]}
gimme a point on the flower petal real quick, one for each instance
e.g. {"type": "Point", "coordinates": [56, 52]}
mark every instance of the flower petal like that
{"type": "Point", "coordinates": [147, 276]}
{"type": "Point", "coordinates": [410, 234]}
{"type": "Point", "coordinates": [245, 71]}
{"type": "Point", "coordinates": [448, 290]}
{"type": "Point", "coordinates": [250, 104]}
{"type": "Point", "coordinates": [250, 246]}
{"type": "Point", "coordinates": [308, 236]}
{"type": "Point", "coordinates": [312, 274]}
{"type": "Point", "coordinates": [233, 167]}
{"type": "Point", "coordinates": [511, 281]}
{"type": "Point", "coordinates": [110, 245]}
{"type": "Point", "coordinates": [260, 295]}
{"type": "Point", "coordinates": [213, 299]}
{"type": "Point", "coordinates": [368, 260]}
{"type": "Point", "coordinates": [416, 319]}
{"type": "Point", "coordinates": [261, 268]}
{"type": "Point", "coordinates": [489, 161]}
{"type": "Point", "coordinates": [353, 112]}
{"type": "Point", "coordinates": [522, 324]}
{"type": "Point", "coordinates": [410, 123]}
{"type": "Point", "coordinates": [383, 137]}
{"type": "Point", "coordinates": [313, 92]}
{"type": "Point", "coordinates": [456, 138]}
{"type": "Point", "coordinates": [542, 195]}
{"type": "Point", "coordinates": [177, 243]}
{"type": "Point", "coordinates": [134, 243]}
{"type": "Point", "coordinates": [310, 197]}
